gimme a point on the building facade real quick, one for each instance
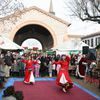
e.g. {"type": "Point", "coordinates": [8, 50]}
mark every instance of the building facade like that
{"type": "Point", "coordinates": [92, 39]}
{"type": "Point", "coordinates": [38, 24]}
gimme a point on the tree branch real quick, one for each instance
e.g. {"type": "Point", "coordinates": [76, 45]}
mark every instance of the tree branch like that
{"type": "Point", "coordinates": [86, 9]}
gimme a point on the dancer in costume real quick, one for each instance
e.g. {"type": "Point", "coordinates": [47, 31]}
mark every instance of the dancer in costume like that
{"type": "Point", "coordinates": [63, 78]}
{"type": "Point", "coordinates": [29, 77]}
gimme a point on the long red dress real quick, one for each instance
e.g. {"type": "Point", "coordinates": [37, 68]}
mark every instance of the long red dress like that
{"type": "Point", "coordinates": [82, 67]}
{"type": "Point", "coordinates": [29, 77]}
{"type": "Point", "coordinates": [63, 77]}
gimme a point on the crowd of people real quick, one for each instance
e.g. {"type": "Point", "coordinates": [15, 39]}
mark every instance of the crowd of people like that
{"type": "Point", "coordinates": [29, 65]}
{"type": "Point", "coordinates": [13, 62]}
{"type": "Point", "coordinates": [82, 65]}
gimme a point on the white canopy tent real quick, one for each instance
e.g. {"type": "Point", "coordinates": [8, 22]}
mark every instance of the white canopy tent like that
{"type": "Point", "coordinates": [68, 46]}
{"type": "Point", "coordinates": [7, 44]}
{"type": "Point", "coordinates": [71, 45]}
{"type": "Point", "coordinates": [81, 44]}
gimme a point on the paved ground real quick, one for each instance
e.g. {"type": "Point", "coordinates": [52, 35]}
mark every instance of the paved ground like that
{"type": "Point", "coordinates": [42, 88]}
{"type": "Point", "coordinates": [90, 86]}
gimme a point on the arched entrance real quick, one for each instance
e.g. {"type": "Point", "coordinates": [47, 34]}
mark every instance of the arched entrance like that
{"type": "Point", "coordinates": [30, 43]}
{"type": "Point", "coordinates": [34, 31]}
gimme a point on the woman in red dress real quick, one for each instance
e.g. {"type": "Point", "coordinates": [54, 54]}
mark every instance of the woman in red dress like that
{"type": "Point", "coordinates": [63, 78]}
{"type": "Point", "coordinates": [29, 77]}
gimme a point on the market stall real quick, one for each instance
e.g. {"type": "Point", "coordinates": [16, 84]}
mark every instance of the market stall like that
{"type": "Point", "coordinates": [70, 47]}
{"type": "Point", "coordinates": [7, 44]}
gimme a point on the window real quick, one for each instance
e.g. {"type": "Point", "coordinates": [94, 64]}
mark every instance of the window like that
{"type": "Point", "coordinates": [92, 42]}
{"type": "Point", "coordinates": [96, 41]}
{"type": "Point", "coordinates": [86, 41]}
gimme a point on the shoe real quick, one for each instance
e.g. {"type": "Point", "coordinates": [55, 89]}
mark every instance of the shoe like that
{"type": "Point", "coordinates": [31, 83]}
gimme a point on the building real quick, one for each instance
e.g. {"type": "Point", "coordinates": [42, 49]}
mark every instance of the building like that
{"type": "Point", "coordinates": [38, 24]}
{"type": "Point", "coordinates": [92, 39]}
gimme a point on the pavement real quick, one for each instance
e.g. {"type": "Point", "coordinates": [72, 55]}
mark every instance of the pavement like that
{"type": "Point", "coordinates": [87, 85]}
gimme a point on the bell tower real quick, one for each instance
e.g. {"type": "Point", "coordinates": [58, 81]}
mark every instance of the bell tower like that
{"type": "Point", "coordinates": [51, 8]}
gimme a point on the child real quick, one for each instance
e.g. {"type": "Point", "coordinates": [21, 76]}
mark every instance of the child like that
{"type": "Point", "coordinates": [50, 68]}
{"type": "Point", "coordinates": [37, 68]}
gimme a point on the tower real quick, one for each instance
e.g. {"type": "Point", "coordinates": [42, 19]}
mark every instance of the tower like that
{"type": "Point", "coordinates": [51, 8]}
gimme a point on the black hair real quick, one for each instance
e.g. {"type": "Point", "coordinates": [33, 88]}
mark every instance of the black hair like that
{"type": "Point", "coordinates": [9, 91]}
{"type": "Point", "coordinates": [19, 95]}
{"type": "Point", "coordinates": [62, 56]}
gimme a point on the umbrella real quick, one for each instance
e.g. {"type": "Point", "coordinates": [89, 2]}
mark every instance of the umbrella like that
{"type": "Point", "coordinates": [7, 44]}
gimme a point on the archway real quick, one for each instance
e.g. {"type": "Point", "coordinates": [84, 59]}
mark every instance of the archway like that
{"type": "Point", "coordinates": [37, 32]}
{"type": "Point", "coordinates": [30, 43]}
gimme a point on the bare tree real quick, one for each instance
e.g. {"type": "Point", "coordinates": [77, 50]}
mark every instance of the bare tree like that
{"type": "Point", "coordinates": [9, 6]}
{"type": "Point", "coordinates": [85, 9]}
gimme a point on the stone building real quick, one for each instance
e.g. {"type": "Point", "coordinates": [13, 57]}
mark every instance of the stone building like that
{"type": "Point", "coordinates": [92, 39]}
